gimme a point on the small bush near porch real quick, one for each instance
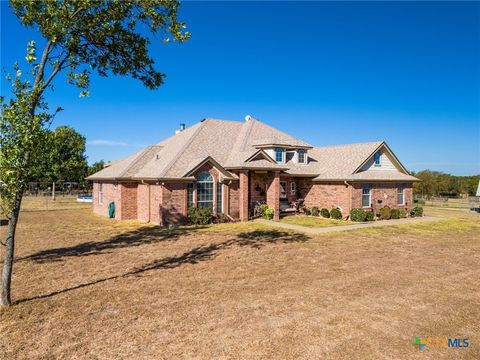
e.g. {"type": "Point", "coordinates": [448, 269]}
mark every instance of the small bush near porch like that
{"type": "Point", "coordinates": [312, 221]}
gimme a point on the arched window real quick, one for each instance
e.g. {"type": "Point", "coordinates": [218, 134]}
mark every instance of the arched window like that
{"type": "Point", "coordinates": [301, 156]}
{"type": "Point", "coordinates": [279, 155]}
{"type": "Point", "coordinates": [205, 190]}
{"type": "Point", "coordinates": [378, 159]}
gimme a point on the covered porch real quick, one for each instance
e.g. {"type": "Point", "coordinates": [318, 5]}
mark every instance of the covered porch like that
{"type": "Point", "coordinates": [266, 186]}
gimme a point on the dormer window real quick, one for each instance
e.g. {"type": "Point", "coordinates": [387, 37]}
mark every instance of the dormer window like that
{"type": "Point", "coordinates": [378, 159]}
{"type": "Point", "coordinates": [302, 156]}
{"type": "Point", "coordinates": [279, 155]}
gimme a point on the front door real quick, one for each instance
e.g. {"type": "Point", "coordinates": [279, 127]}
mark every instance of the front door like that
{"type": "Point", "coordinates": [283, 190]}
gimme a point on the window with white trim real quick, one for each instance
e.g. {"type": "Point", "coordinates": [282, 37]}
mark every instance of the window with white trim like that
{"type": "Point", "coordinates": [100, 193]}
{"type": "Point", "coordinates": [205, 190]}
{"type": "Point", "coordinates": [400, 195]}
{"type": "Point", "coordinates": [293, 188]}
{"type": "Point", "coordinates": [279, 155]}
{"type": "Point", "coordinates": [366, 195]}
{"type": "Point", "coordinates": [302, 156]}
{"type": "Point", "coordinates": [219, 198]}
{"type": "Point", "coordinates": [378, 159]}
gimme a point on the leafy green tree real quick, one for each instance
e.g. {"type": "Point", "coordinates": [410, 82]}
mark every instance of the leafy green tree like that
{"type": "Point", "coordinates": [95, 167]}
{"type": "Point", "coordinates": [80, 37]}
{"type": "Point", "coordinates": [63, 157]}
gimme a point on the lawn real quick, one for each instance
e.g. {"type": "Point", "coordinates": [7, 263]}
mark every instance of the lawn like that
{"type": "Point", "coordinates": [313, 221]}
{"type": "Point", "coordinates": [91, 288]}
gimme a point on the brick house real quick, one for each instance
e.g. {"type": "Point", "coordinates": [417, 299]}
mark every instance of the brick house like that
{"type": "Point", "coordinates": [229, 166]}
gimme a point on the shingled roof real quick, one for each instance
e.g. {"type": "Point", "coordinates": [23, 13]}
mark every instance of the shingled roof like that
{"type": "Point", "coordinates": [237, 145]}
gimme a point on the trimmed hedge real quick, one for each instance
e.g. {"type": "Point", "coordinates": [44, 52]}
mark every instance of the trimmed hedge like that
{"type": "Point", "coordinates": [325, 213]}
{"type": "Point", "coordinates": [369, 215]}
{"type": "Point", "coordinates": [403, 213]}
{"type": "Point", "coordinates": [200, 216]}
{"type": "Point", "coordinates": [417, 211]}
{"type": "Point", "coordinates": [315, 211]}
{"type": "Point", "coordinates": [336, 214]}
{"type": "Point", "coordinates": [395, 214]}
{"type": "Point", "coordinates": [357, 215]}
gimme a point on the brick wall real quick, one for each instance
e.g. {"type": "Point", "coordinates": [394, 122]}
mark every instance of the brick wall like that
{"type": "Point", "coordinates": [129, 200]}
{"type": "Point", "coordinates": [174, 203]}
{"type": "Point", "coordinates": [273, 193]}
{"type": "Point", "coordinates": [325, 195]}
{"type": "Point", "coordinates": [155, 203]}
{"type": "Point", "coordinates": [143, 213]}
{"type": "Point", "coordinates": [383, 194]}
{"type": "Point", "coordinates": [124, 195]}
{"type": "Point", "coordinates": [233, 209]}
{"type": "Point", "coordinates": [243, 196]}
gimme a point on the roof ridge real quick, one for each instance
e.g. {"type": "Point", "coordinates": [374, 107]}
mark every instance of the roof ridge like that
{"type": "Point", "coordinates": [135, 160]}
{"type": "Point", "coordinates": [182, 149]}
{"type": "Point", "coordinates": [249, 131]}
{"type": "Point", "coordinates": [351, 144]}
{"type": "Point", "coordinates": [224, 120]}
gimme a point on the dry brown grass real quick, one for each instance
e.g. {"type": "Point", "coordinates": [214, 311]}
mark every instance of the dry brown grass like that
{"type": "Point", "coordinates": [90, 288]}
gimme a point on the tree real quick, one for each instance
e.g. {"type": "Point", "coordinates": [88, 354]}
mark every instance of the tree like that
{"type": "Point", "coordinates": [95, 167]}
{"type": "Point", "coordinates": [63, 157]}
{"type": "Point", "coordinates": [80, 37]}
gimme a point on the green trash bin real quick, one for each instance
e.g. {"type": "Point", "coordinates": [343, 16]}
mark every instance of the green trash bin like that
{"type": "Point", "coordinates": [111, 210]}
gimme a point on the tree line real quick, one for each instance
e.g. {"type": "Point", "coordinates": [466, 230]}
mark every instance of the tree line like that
{"type": "Point", "coordinates": [436, 183]}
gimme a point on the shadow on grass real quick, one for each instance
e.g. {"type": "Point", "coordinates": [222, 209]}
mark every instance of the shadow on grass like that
{"type": "Point", "coordinates": [255, 239]}
{"type": "Point", "coordinates": [142, 236]}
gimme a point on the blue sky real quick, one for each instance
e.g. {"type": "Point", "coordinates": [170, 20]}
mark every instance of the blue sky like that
{"type": "Point", "coordinates": [326, 72]}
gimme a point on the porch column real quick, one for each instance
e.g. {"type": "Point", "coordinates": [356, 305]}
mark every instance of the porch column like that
{"type": "Point", "coordinates": [243, 196]}
{"type": "Point", "coordinates": [273, 194]}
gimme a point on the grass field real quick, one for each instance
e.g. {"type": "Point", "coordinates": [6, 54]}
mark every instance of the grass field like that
{"type": "Point", "coordinates": [91, 288]}
{"type": "Point", "coordinates": [311, 221]}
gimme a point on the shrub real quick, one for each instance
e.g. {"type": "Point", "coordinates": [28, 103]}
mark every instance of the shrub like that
{"type": "Point", "coordinates": [395, 214]}
{"type": "Point", "coordinates": [200, 216]}
{"type": "Point", "coordinates": [385, 213]}
{"type": "Point", "coordinates": [417, 211]}
{"type": "Point", "coordinates": [263, 207]}
{"type": "Point", "coordinates": [336, 214]}
{"type": "Point", "coordinates": [268, 213]}
{"type": "Point", "coordinates": [369, 215]}
{"type": "Point", "coordinates": [306, 210]}
{"type": "Point", "coordinates": [403, 213]}
{"type": "Point", "coordinates": [357, 215]}
{"type": "Point", "coordinates": [221, 218]}
{"type": "Point", "coordinates": [325, 213]}
{"type": "Point", "coordinates": [315, 211]}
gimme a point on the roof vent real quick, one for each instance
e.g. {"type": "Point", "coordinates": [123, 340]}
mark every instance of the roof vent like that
{"type": "Point", "coordinates": [248, 118]}
{"type": "Point", "coordinates": [180, 129]}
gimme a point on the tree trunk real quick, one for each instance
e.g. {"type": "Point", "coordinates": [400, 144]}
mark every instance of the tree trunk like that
{"type": "Point", "coordinates": [5, 299]}
{"type": "Point", "coordinates": [53, 191]}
